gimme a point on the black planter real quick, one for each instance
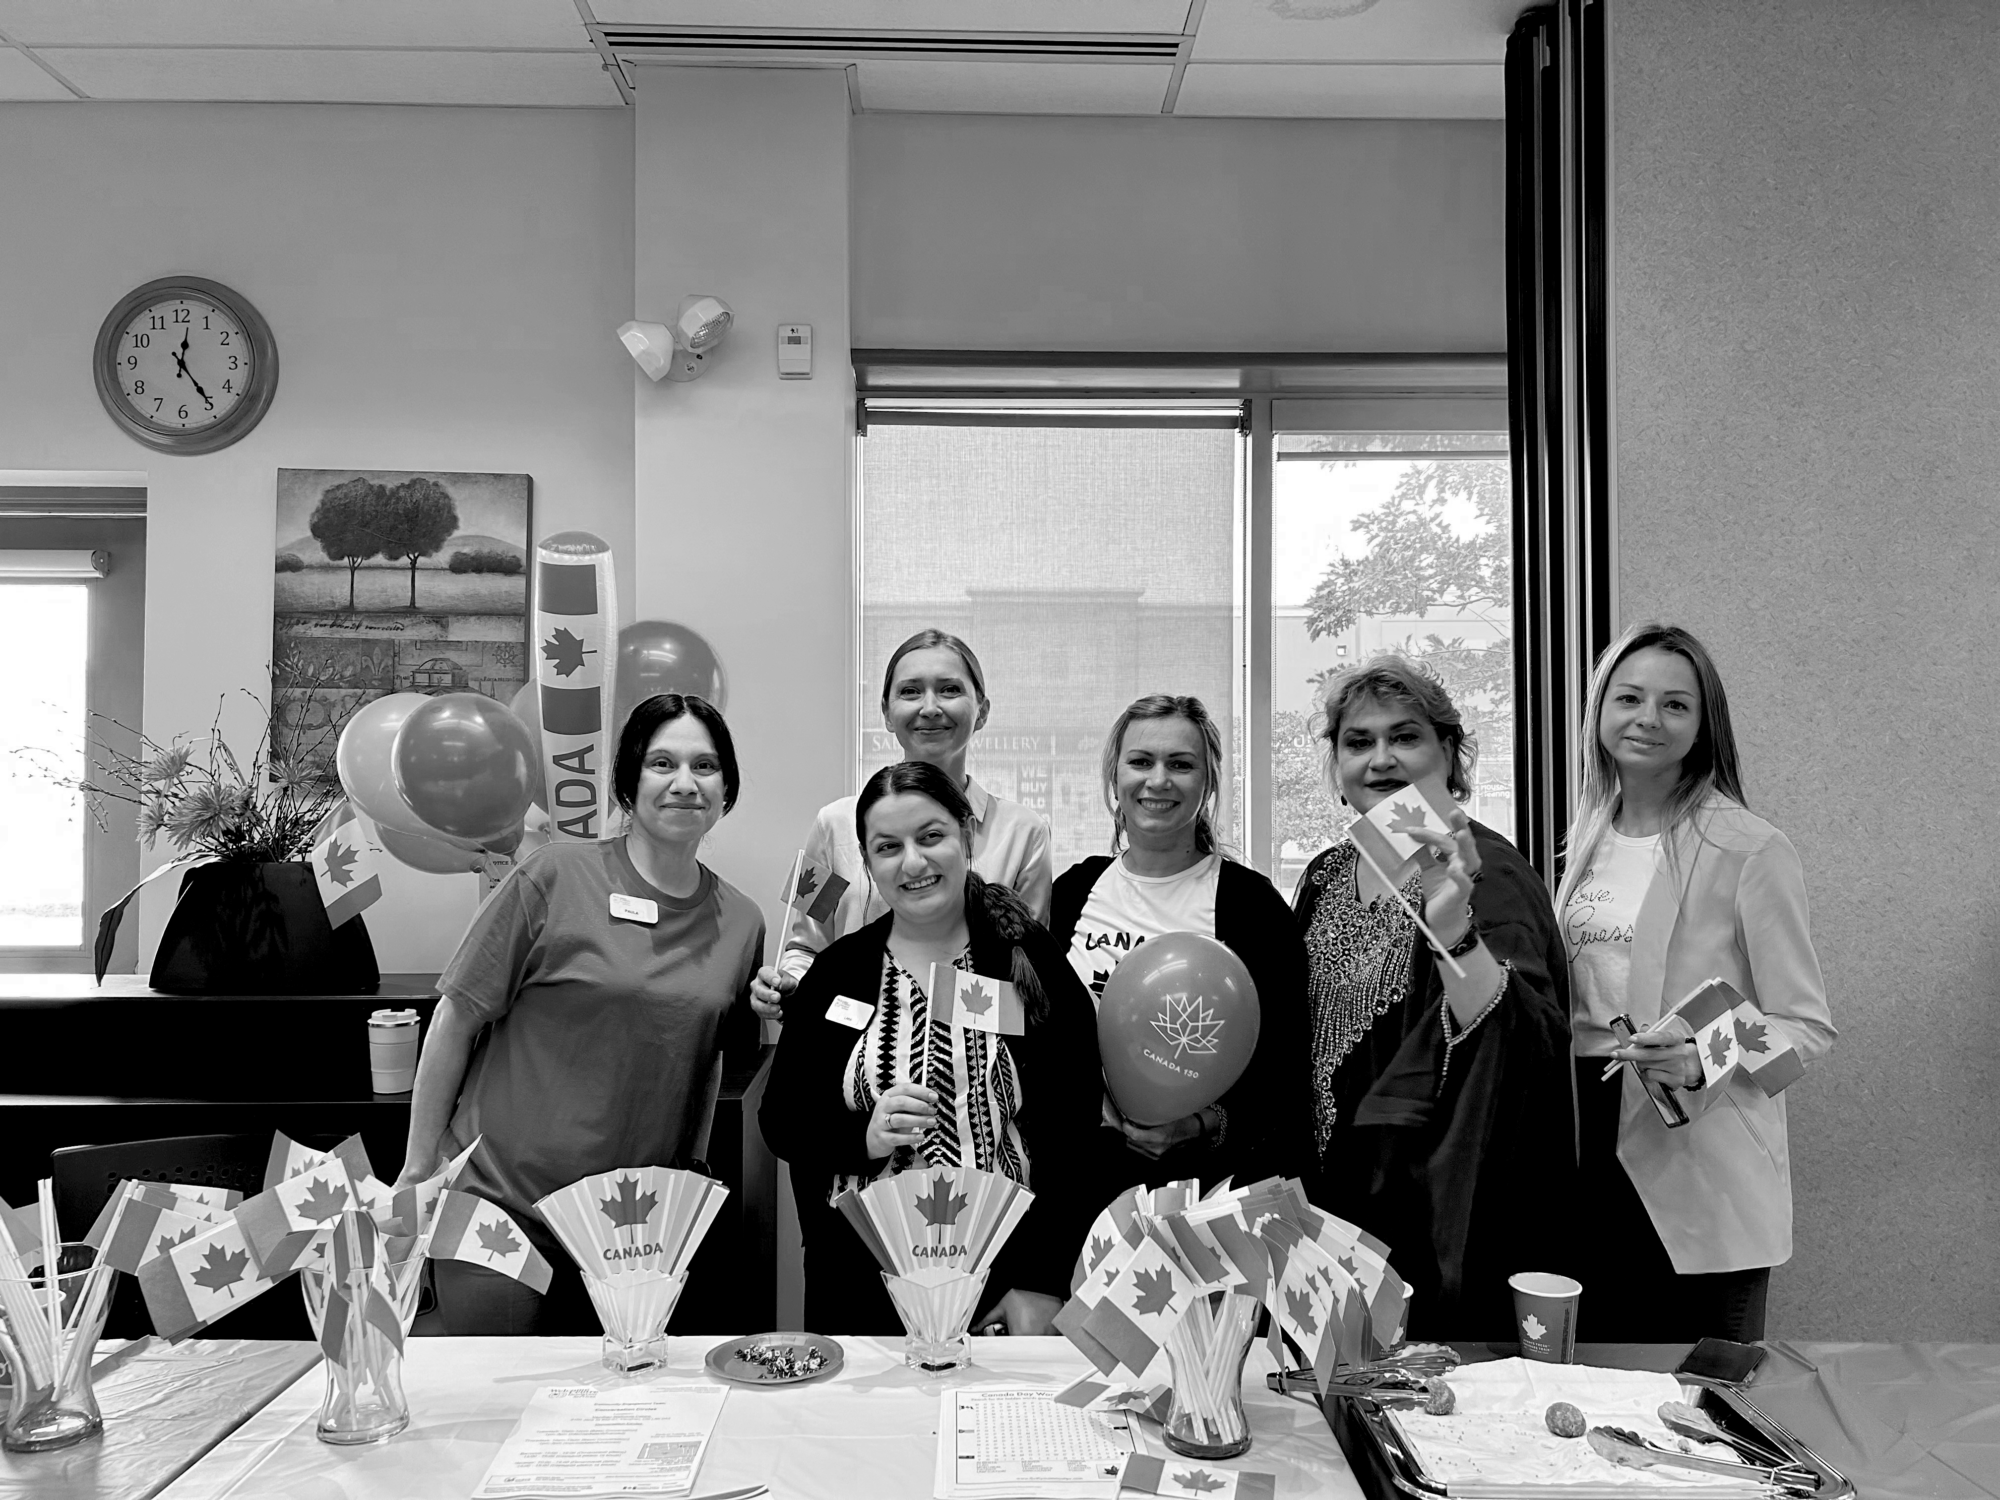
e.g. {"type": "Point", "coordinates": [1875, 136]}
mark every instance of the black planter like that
{"type": "Point", "coordinates": [260, 929]}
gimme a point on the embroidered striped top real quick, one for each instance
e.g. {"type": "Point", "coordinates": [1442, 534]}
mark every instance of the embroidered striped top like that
{"type": "Point", "coordinates": [973, 1072]}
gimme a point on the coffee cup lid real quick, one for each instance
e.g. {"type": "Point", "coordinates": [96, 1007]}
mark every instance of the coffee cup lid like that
{"type": "Point", "coordinates": [393, 1018]}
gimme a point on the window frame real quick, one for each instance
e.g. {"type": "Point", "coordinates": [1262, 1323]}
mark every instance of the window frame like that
{"type": "Point", "coordinates": [1273, 394]}
{"type": "Point", "coordinates": [114, 690]}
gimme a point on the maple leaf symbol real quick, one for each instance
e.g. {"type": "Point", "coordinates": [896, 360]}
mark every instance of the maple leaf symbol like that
{"type": "Point", "coordinates": [1301, 1309]}
{"type": "Point", "coordinates": [340, 863]}
{"type": "Point", "coordinates": [1405, 818]}
{"type": "Point", "coordinates": [1189, 1025]}
{"type": "Point", "coordinates": [1098, 979]}
{"type": "Point", "coordinates": [1718, 1046]}
{"type": "Point", "coordinates": [220, 1269]}
{"type": "Point", "coordinates": [321, 1202]}
{"type": "Point", "coordinates": [565, 652]}
{"type": "Point", "coordinates": [497, 1240]}
{"type": "Point", "coordinates": [808, 882]}
{"type": "Point", "coordinates": [1198, 1481]}
{"type": "Point", "coordinates": [1750, 1036]}
{"type": "Point", "coordinates": [1348, 1264]}
{"type": "Point", "coordinates": [1099, 1248]}
{"type": "Point", "coordinates": [628, 1205]}
{"type": "Point", "coordinates": [169, 1240]}
{"type": "Point", "coordinates": [976, 999]}
{"type": "Point", "coordinates": [1532, 1327]}
{"type": "Point", "coordinates": [940, 1207]}
{"type": "Point", "coordinates": [1156, 1291]}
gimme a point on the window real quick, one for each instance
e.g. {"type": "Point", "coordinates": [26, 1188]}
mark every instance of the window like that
{"type": "Point", "coordinates": [1087, 562]}
{"type": "Point", "coordinates": [62, 863]}
{"type": "Point", "coordinates": [1387, 541]}
{"type": "Point", "coordinates": [1092, 549]}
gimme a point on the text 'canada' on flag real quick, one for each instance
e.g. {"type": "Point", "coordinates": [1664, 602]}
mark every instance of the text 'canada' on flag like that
{"type": "Point", "coordinates": [344, 863]}
{"type": "Point", "coordinates": [481, 1234]}
{"type": "Point", "coordinates": [814, 886]}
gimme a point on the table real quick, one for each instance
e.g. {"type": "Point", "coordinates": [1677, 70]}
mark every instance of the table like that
{"type": "Point", "coordinates": [164, 1406]}
{"type": "Point", "coordinates": [868, 1431]}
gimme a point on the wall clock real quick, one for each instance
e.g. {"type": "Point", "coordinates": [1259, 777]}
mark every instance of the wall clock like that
{"type": "Point", "coordinates": [186, 365]}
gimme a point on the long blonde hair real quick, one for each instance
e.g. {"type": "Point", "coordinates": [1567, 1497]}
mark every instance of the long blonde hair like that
{"type": "Point", "coordinates": [1168, 706]}
{"type": "Point", "coordinates": [1710, 767]}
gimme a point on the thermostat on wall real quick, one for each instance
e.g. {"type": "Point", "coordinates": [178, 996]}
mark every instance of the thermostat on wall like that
{"type": "Point", "coordinates": [795, 351]}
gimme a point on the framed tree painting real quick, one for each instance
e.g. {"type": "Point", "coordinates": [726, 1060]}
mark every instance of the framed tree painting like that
{"type": "Point", "coordinates": [392, 581]}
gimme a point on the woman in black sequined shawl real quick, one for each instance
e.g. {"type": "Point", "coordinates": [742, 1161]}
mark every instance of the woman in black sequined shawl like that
{"type": "Point", "coordinates": [1450, 1138]}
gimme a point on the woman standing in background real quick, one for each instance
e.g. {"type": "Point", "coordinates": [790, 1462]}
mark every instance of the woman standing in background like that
{"type": "Point", "coordinates": [933, 702]}
{"type": "Point", "coordinates": [1673, 881]}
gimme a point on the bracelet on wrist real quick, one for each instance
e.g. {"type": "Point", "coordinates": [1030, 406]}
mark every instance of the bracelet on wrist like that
{"type": "Point", "coordinates": [1467, 942]}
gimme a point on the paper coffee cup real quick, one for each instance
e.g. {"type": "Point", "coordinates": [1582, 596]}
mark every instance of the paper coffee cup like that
{"type": "Point", "coordinates": [1545, 1315]}
{"type": "Point", "coordinates": [393, 1036]}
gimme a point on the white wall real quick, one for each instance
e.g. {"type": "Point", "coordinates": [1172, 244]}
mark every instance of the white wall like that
{"type": "Point", "coordinates": [442, 284]}
{"type": "Point", "coordinates": [1808, 334]}
{"type": "Point", "coordinates": [993, 232]}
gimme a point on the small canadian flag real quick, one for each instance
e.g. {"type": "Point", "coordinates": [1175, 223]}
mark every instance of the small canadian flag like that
{"type": "Point", "coordinates": [344, 863]}
{"type": "Point", "coordinates": [814, 887]}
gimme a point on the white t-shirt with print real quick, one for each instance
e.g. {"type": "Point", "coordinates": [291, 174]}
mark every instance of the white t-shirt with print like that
{"type": "Point", "coordinates": [1597, 924]}
{"type": "Point", "coordinates": [1124, 909]}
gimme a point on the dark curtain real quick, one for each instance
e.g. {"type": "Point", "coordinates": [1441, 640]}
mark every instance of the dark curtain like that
{"type": "Point", "coordinates": [1559, 394]}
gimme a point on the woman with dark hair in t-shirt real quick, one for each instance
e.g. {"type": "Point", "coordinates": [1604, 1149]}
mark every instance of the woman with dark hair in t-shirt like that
{"type": "Point", "coordinates": [865, 1088]}
{"type": "Point", "coordinates": [581, 1024]}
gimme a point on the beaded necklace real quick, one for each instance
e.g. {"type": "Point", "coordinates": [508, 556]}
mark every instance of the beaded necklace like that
{"type": "Point", "coordinates": [1358, 967]}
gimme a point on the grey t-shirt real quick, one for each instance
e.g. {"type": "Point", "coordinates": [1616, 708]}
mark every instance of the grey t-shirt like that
{"type": "Point", "coordinates": [604, 1031]}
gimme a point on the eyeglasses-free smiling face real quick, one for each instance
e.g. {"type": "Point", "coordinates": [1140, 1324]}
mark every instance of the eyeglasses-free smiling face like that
{"type": "Point", "coordinates": [1162, 780]}
{"type": "Point", "coordinates": [681, 790]}
{"type": "Point", "coordinates": [1381, 747]}
{"type": "Point", "coordinates": [917, 857]}
{"type": "Point", "coordinates": [1652, 713]}
{"type": "Point", "coordinates": [933, 707]}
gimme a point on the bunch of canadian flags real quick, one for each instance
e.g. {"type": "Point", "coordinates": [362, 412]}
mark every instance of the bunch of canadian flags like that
{"type": "Point", "coordinates": [1159, 1265]}
{"type": "Point", "coordinates": [200, 1252]}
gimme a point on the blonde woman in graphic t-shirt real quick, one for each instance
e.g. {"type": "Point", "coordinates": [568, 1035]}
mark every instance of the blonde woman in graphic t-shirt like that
{"type": "Point", "coordinates": [1672, 882]}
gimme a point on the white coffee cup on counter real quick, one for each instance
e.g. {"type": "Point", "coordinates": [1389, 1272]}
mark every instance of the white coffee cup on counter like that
{"type": "Point", "coordinates": [393, 1037]}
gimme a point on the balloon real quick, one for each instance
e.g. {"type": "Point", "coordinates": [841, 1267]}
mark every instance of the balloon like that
{"type": "Point", "coordinates": [365, 759]}
{"type": "Point", "coordinates": [432, 856]}
{"type": "Point", "coordinates": [576, 615]}
{"type": "Point", "coordinates": [657, 656]}
{"type": "Point", "coordinates": [526, 705]}
{"type": "Point", "coordinates": [465, 766]}
{"type": "Point", "coordinates": [1176, 1027]}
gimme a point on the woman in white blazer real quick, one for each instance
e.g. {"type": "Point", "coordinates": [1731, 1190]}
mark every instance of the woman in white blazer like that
{"type": "Point", "coordinates": [1671, 882]}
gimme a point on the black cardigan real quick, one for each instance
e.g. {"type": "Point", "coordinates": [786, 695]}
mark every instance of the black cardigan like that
{"type": "Point", "coordinates": [1458, 1169]}
{"type": "Point", "coordinates": [1269, 1121]}
{"type": "Point", "coordinates": [805, 1117]}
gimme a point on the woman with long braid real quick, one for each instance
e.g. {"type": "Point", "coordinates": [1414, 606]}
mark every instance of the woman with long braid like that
{"type": "Point", "coordinates": [867, 1083]}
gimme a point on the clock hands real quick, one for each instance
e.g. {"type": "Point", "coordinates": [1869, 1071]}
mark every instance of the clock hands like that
{"type": "Point", "coordinates": [180, 359]}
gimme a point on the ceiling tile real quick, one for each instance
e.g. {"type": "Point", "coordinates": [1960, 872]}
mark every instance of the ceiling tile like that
{"type": "Point", "coordinates": [527, 78]}
{"type": "Point", "coordinates": [1331, 91]}
{"type": "Point", "coordinates": [296, 23]}
{"type": "Point", "coordinates": [21, 79]}
{"type": "Point", "coordinates": [1014, 88]}
{"type": "Point", "coordinates": [1356, 30]}
{"type": "Point", "coordinates": [902, 15]}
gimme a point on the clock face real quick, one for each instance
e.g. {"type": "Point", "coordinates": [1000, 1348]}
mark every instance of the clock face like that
{"type": "Point", "coordinates": [183, 363]}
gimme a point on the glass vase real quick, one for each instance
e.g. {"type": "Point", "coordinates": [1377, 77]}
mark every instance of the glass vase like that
{"type": "Point", "coordinates": [51, 1403]}
{"type": "Point", "coordinates": [634, 1310]}
{"type": "Point", "coordinates": [936, 1309]}
{"type": "Point", "coordinates": [1207, 1352]}
{"type": "Point", "coordinates": [364, 1364]}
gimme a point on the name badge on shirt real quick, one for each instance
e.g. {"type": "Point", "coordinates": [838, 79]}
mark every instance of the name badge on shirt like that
{"type": "Point", "coordinates": [634, 908]}
{"type": "Point", "coordinates": [848, 1012]}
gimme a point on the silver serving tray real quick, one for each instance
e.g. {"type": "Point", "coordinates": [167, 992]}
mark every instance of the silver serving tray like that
{"type": "Point", "coordinates": [1386, 1466]}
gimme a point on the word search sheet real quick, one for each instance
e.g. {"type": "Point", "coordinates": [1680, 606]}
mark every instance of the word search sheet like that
{"type": "Point", "coordinates": [1016, 1440]}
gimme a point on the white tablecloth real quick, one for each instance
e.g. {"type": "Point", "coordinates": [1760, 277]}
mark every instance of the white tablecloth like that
{"type": "Point", "coordinates": [869, 1431]}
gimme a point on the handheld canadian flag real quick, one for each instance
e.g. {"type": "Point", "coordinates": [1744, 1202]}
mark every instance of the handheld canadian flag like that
{"type": "Point", "coordinates": [344, 864]}
{"type": "Point", "coordinates": [197, 1282]}
{"type": "Point", "coordinates": [816, 886]}
{"type": "Point", "coordinates": [1710, 1014]}
{"type": "Point", "coordinates": [1144, 1303]}
{"type": "Point", "coordinates": [481, 1234]}
{"type": "Point", "coordinates": [1731, 1031]}
{"type": "Point", "coordinates": [975, 1002]}
{"type": "Point", "coordinates": [1146, 1475]}
{"type": "Point", "coordinates": [1384, 831]}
